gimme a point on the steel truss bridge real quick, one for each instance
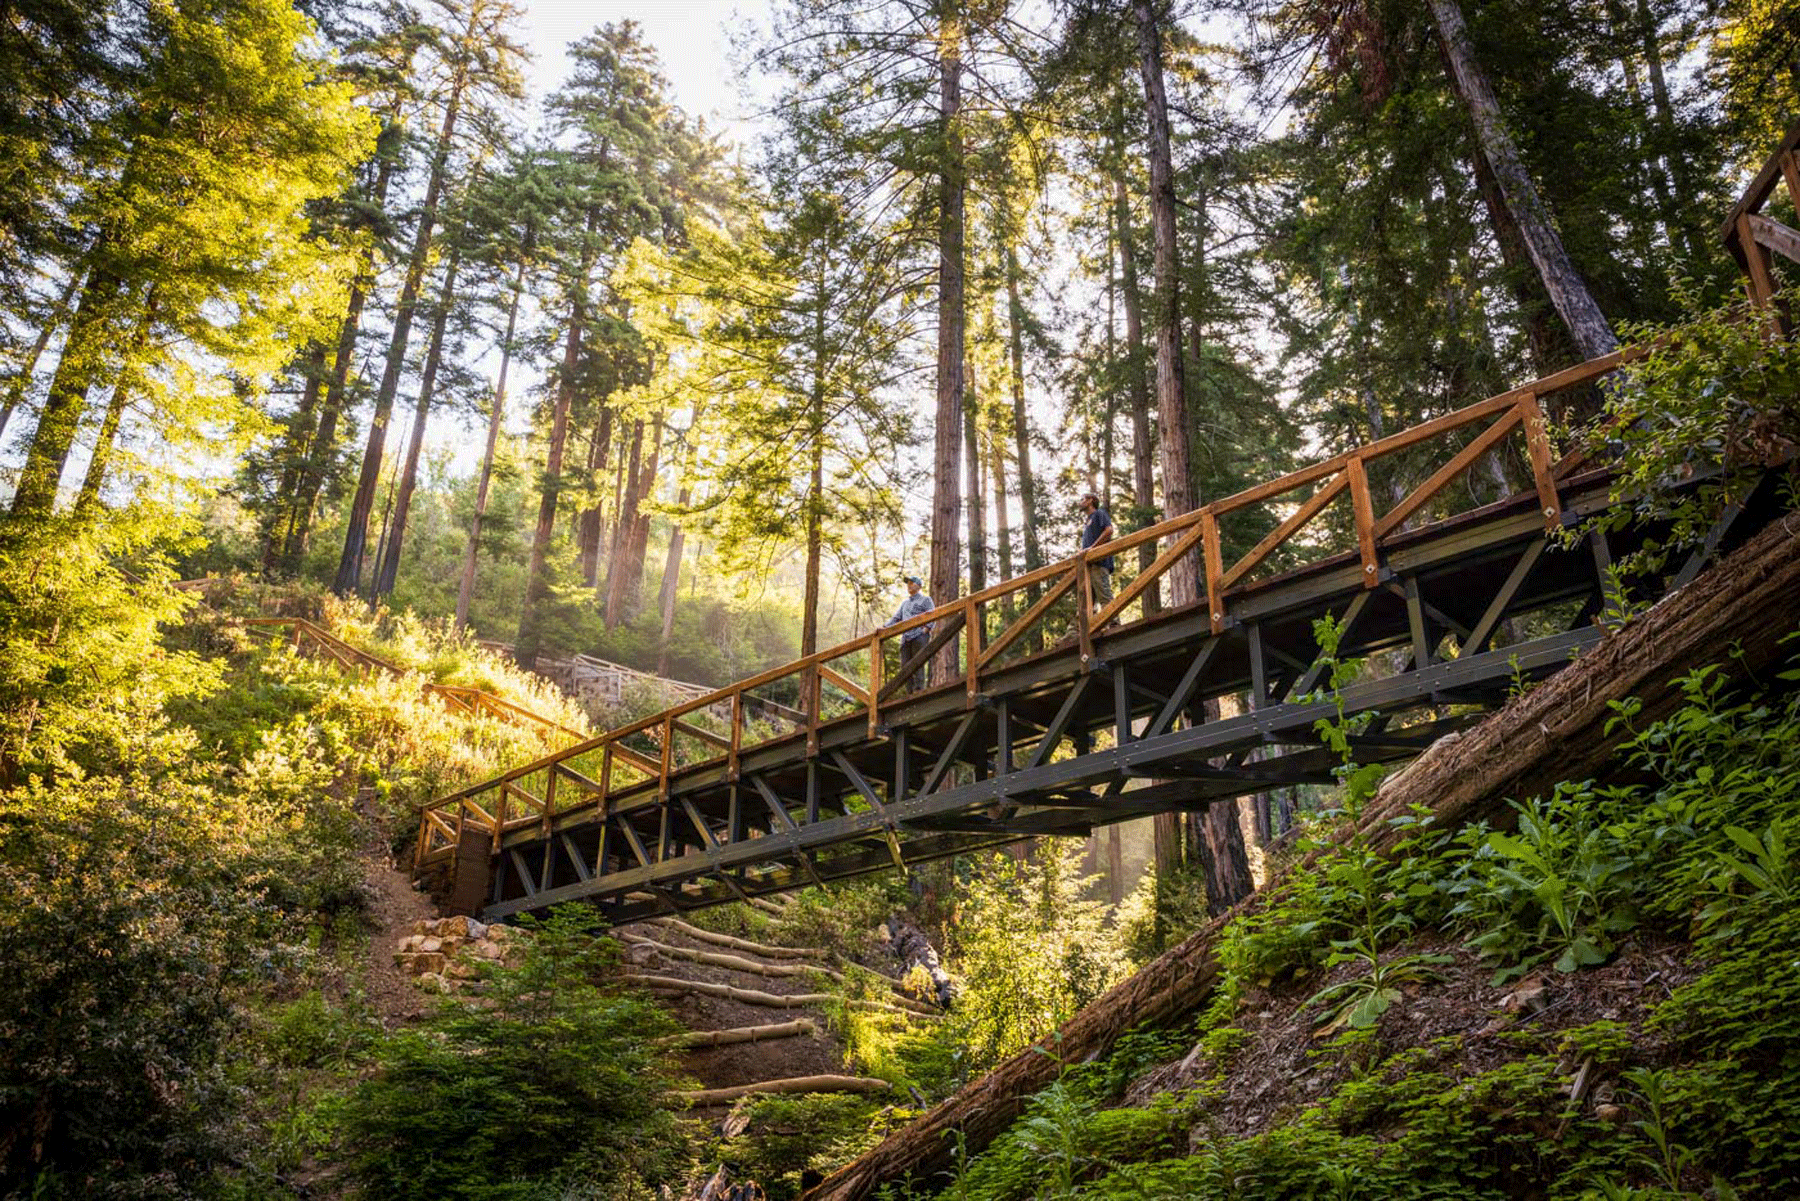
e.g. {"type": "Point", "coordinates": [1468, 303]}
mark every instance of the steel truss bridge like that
{"type": "Point", "coordinates": [1052, 717]}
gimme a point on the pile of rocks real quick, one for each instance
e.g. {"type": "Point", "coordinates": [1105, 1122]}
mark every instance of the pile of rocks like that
{"type": "Point", "coordinates": [439, 955]}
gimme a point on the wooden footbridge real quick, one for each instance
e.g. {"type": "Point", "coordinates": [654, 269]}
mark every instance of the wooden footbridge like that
{"type": "Point", "coordinates": [1058, 717]}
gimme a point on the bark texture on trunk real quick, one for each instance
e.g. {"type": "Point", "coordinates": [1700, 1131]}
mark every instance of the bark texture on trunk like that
{"type": "Point", "coordinates": [1143, 448]}
{"type": "Point", "coordinates": [84, 355]}
{"type": "Point", "coordinates": [1171, 395]}
{"type": "Point", "coordinates": [1034, 555]}
{"type": "Point", "coordinates": [465, 589]}
{"type": "Point", "coordinates": [624, 521]}
{"type": "Point", "coordinates": [1557, 731]}
{"type": "Point", "coordinates": [976, 499]}
{"type": "Point", "coordinates": [537, 580]}
{"type": "Point", "coordinates": [1587, 325]}
{"type": "Point", "coordinates": [349, 571]}
{"type": "Point", "coordinates": [387, 569]}
{"type": "Point", "coordinates": [946, 503]}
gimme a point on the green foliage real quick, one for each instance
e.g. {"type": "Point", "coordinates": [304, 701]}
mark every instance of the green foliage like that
{"type": "Point", "coordinates": [1697, 845]}
{"type": "Point", "coordinates": [1029, 950]}
{"type": "Point", "coordinates": [83, 671]}
{"type": "Point", "coordinates": [1714, 400]}
{"type": "Point", "coordinates": [787, 1136]}
{"type": "Point", "coordinates": [1562, 888]}
{"type": "Point", "coordinates": [548, 1082]}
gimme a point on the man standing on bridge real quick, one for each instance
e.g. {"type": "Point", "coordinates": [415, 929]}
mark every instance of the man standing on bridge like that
{"type": "Point", "coordinates": [913, 640]}
{"type": "Point", "coordinates": [1099, 528]}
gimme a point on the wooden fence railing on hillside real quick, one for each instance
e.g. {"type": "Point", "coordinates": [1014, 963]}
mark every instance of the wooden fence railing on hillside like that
{"type": "Point", "coordinates": [1364, 500]}
{"type": "Point", "coordinates": [1752, 237]}
{"type": "Point", "coordinates": [309, 637]}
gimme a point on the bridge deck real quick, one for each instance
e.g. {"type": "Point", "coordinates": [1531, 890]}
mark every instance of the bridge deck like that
{"type": "Point", "coordinates": [1057, 721]}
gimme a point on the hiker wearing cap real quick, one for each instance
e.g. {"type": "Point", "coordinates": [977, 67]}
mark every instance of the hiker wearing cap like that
{"type": "Point", "coordinates": [913, 640]}
{"type": "Point", "coordinates": [1099, 528]}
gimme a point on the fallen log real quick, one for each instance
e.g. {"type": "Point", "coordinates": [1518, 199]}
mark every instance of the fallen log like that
{"type": "Point", "coordinates": [696, 1039]}
{"type": "Point", "coordinates": [1735, 614]}
{"type": "Point", "coordinates": [793, 1084]}
{"type": "Point", "coordinates": [739, 944]}
{"type": "Point", "coordinates": [737, 963]}
{"type": "Point", "coordinates": [752, 996]}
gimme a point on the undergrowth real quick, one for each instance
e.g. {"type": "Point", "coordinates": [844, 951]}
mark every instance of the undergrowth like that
{"type": "Point", "coordinates": [1704, 1083]}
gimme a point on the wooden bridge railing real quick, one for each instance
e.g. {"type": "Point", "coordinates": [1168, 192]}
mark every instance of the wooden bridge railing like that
{"type": "Point", "coordinates": [867, 676]}
{"type": "Point", "coordinates": [1751, 236]}
{"type": "Point", "coordinates": [304, 635]}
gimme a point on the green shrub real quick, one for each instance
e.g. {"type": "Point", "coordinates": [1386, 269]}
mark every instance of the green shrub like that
{"type": "Point", "coordinates": [547, 1082]}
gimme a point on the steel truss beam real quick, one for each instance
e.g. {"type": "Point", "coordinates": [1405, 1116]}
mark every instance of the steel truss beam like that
{"type": "Point", "coordinates": [1056, 744]}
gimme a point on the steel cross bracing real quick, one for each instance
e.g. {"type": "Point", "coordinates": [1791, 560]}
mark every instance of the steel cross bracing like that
{"type": "Point", "coordinates": [1061, 742]}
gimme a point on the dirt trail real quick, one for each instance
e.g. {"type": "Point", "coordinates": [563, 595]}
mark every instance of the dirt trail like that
{"type": "Point", "coordinates": [392, 908]}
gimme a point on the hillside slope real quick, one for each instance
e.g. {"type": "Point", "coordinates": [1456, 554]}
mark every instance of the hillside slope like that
{"type": "Point", "coordinates": [1737, 614]}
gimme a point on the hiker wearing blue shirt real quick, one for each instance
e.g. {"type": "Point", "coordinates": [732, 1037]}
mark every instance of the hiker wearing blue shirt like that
{"type": "Point", "coordinates": [913, 640]}
{"type": "Point", "coordinates": [1099, 528]}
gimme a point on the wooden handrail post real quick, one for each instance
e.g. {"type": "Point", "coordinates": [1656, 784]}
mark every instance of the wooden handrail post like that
{"type": "Point", "coordinates": [1084, 592]}
{"type": "Point", "coordinates": [812, 685]}
{"type": "Point", "coordinates": [1214, 564]}
{"type": "Point", "coordinates": [606, 762]}
{"type": "Point", "coordinates": [1537, 444]}
{"type": "Point", "coordinates": [668, 758]}
{"type": "Point", "coordinates": [737, 732]}
{"type": "Point", "coordinates": [1365, 520]}
{"type": "Point", "coordinates": [972, 632]}
{"type": "Point", "coordinates": [876, 668]}
{"type": "Point", "coordinates": [549, 800]}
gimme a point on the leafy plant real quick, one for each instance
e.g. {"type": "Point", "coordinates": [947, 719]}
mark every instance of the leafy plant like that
{"type": "Point", "coordinates": [1560, 889]}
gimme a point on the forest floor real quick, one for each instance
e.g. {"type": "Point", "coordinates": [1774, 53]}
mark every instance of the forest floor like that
{"type": "Point", "coordinates": [741, 1063]}
{"type": "Point", "coordinates": [1288, 1059]}
{"type": "Point", "coordinates": [391, 907]}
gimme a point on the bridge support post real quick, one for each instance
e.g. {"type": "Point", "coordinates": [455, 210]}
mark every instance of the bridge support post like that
{"type": "Point", "coordinates": [470, 873]}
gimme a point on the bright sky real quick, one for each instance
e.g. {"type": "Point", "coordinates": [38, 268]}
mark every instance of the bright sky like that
{"type": "Point", "coordinates": [692, 36]}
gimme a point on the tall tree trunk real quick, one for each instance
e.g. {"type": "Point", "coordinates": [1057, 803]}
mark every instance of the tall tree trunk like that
{"type": "Point", "coordinates": [1171, 398]}
{"type": "Point", "coordinates": [624, 519]}
{"type": "Point", "coordinates": [1028, 501]}
{"type": "Point", "coordinates": [1588, 326]}
{"type": "Point", "coordinates": [976, 493]}
{"type": "Point", "coordinates": [53, 320]}
{"type": "Point", "coordinates": [813, 514]}
{"type": "Point", "coordinates": [323, 443]}
{"type": "Point", "coordinates": [1548, 343]}
{"type": "Point", "coordinates": [129, 371]}
{"type": "Point", "coordinates": [671, 579]}
{"type": "Point", "coordinates": [946, 507]}
{"type": "Point", "coordinates": [349, 571]}
{"type": "Point", "coordinates": [1002, 523]}
{"type": "Point", "coordinates": [537, 579]}
{"type": "Point", "coordinates": [465, 590]}
{"type": "Point", "coordinates": [589, 534]}
{"type": "Point", "coordinates": [603, 581]}
{"type": "Point", "coordinates": [297, 444]}
{"type": "Point", "coordinates": [387, 569]}
{"type": "Point", "coordinates": [639, 545]}
{"type": "Point", "coordinates": [1686, 190]}
{"type": "Point", "coordinates": [1143, 449]}
{"type": "Point", "coordinates": [84, 353]}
